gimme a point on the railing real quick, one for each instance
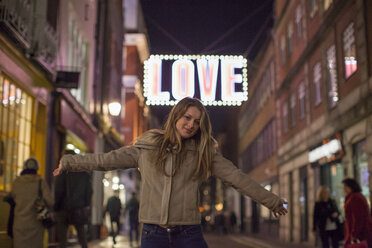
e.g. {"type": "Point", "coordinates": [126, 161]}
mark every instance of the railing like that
{"type": "Point", "coordinates": [46, 49]}
{"type": "Point", "coordinates": [26, 24]}
{"type": "Point", "coordinates": [16, 18]}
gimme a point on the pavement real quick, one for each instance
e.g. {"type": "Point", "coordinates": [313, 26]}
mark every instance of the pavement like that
{"type": "Point", "coordinates": [213, 240]}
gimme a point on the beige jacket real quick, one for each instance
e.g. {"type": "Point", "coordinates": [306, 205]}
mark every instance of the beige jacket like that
{"type": "Point", "coordinates": [27, 230]}
{"type": "Point", "coordinates": [169, 200]}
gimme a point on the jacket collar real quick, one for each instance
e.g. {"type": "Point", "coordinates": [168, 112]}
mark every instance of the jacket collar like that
{"type": "Point", "coordinates": [147, 141]}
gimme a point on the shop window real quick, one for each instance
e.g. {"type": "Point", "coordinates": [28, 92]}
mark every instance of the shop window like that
{"type": "Point", "coordinates": [282, 49]}
{"type": "Point", "coordinates": [298, 21]}
{"type": "Point", "coordinates": [301, 100]}
{"type": "Point", "coordinates": [293, 109]}
{"type": "Point", "coordinates": [327, 4]}
{"type": "Point", "coordinates": [350, 60]}
{"type": "Point", "coordinates": [289, 37]}
{"type": "Point", "coordinates": [285, 117]}
{"type": "Point", "coordinates": [331, 176]}
{"type": "Point", "coordinates": [361, 166]}
{"type": "Point", "coordinates": [16, 112]}
{"type": "Point", "coordinates": [332, 77]}
{"type": "Point", "coordinates": [317, 76]}
{"type": "Point", "coordinates": [313, 7]}
{"type": "Point", "coordinates": [303, 204]}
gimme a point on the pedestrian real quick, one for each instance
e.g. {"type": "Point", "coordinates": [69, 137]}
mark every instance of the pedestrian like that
{"type": "Point", "coordinates": [27, 229]}
{"type": "Point", "coordinates": [233, 221]}
{"type": "Point", "coordinates": [326, 219]}
{"type": "Point", "coordinates": [132, 208]}
{"type": "Point", "coordinates": [358, 222]}
{"type": "Point", "coordinates": [173, 163]}
{"type": "Point", "coordinates": [219, 220]}
{"type": "Point", "coordinates": [73, 193]}
{"type": "Point", "coordinates": [113, 207]}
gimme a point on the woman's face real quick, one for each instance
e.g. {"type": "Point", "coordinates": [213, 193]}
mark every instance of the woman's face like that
{"type": "Point", "coordinates": [347, 189]}
{"type": "Point", "coordinates": [325, 195]}
{"type": "Point", "coordinates": [188, 125]}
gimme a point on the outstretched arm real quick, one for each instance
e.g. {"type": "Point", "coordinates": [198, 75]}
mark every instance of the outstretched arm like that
{"type": "Point", "coordinates": [229, 173]}
{"type": "Point", "coordinates": [123, 158]}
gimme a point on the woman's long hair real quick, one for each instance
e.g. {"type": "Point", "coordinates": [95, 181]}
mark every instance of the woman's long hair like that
{"type": "Point", "coordinates": [352, 184]}
{"type": "Point", "coordinates": [320, 192]}
{"type": "Point", "coordinates": [171, 138]}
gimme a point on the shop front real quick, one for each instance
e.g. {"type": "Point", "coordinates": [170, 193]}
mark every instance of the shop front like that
{"type": "Point", "coordinates": [360, 159]}
{"type": "Point", "coordinates": [325, 159]}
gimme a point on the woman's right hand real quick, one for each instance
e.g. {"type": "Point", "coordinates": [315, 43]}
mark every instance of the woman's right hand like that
{"type": "Point", "coordinates": [58, 171]}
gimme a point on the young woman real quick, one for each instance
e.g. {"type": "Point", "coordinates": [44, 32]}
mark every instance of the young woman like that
{"type": "Point", "coordinates": [326, 218]}
{"type": "Point", "coordinates": [173, 163]}
{"type": "Point", "coordinates": [358, 221]}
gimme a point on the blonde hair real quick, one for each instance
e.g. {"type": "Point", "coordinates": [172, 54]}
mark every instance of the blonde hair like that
{"type": "Point", "coordinates": [203, 139]}
{"type": "Point", "coordinates": [320, 192]}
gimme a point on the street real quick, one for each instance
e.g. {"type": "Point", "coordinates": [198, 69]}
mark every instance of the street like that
{"type": "Point", "coordinates": [213, 240]}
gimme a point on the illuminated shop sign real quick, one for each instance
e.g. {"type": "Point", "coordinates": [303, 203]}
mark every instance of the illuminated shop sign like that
{"type": "Point", "coordinates": [215, 80]}
{"type": "Point", "coordinates": [330, 150]}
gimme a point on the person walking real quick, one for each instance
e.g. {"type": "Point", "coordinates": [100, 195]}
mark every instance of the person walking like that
{"type": "Point", "coordinates": [326, 218]}
{"type": "Point", "coordinates": [73, 193]}
{"type": "Point", "coordinates": [358, 222]}
{"type": "Point", "coordinates": [27, 229]}
{"type": "Point", "coordinates": [132, 208]}
{"type": "Point", "coordinates": [173, 163]}
{"type": "Point", "coordinates": [233, 221]}
{"type": "Point", "coordinates": [113, 207]}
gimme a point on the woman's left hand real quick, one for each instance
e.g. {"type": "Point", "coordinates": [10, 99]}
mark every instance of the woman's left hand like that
{"type": "Point", "coordinates": [58, 171]}
{"type": "Point", "coordinates": [281, 210]}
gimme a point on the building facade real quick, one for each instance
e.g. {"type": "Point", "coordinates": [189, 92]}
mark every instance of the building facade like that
{"type": "Point", "coordinates": [323, 97]}
{"type": "Point", "coordinates": [257, 145]}
{"type": "Point", "coordinates": [28, 45]}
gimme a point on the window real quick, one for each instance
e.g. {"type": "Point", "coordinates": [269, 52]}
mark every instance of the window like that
{"type": "Point", "coordinates": [285, 117]}
{"type": "Point", "coordinates": [290, 33]}
{"type": "Point", "coordinates": [16, 125]}
{"type": "Point", "coordinates": [298, 21]}
{"type": "Point", "coordinates": [282, 49]}
{"type": "Point", "coordinates": [317, 76]}
{"type": "Point", "coordinates": [361, 166]}
{"type": "Point", "coordinates": [349, 51]}
{"type": "Point", "coordinates": [258, 100]}
{"type": "Point", "coordinates": [261, 149]}
{"type": "Point", "coordinates": [293, 109]}
{"type": "Point", "coordinates": [332, 76]}
{"type": "Point", "coordinates": [78, 59]}
{"type": "Point", "coordinates": [313, 7]}
{"type": "Point", "coordinates": [327, 3]}
{"type": "Point", "coordinates": [301, 100]}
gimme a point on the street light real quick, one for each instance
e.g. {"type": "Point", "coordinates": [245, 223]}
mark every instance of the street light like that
{"type": "Point", "coordinates": [114, 108]}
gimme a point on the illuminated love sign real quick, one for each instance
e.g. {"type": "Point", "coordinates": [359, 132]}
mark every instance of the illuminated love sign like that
{"type": "Point", "coordinates": [215, 80]}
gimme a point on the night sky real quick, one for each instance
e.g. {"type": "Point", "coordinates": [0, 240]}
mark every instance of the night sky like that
{"type": "Point", "coordinates": [207, 26]}
{"type": "Point", "coordinates": [220, 27]}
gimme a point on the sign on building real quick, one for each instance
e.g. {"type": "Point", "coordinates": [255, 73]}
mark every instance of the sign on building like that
{"type": "Point", "coordinates": [215, 80]}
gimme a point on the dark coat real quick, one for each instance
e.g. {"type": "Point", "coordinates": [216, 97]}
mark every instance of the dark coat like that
{"type": "Point", "coordinates": [322, 211]}
{"type": "Point", "coordinates": [113, 207]}
{"type": "Point", "coordinates": [358, 222]}
{"type": "Point", "coordinates": [132, 209]}
{"type": "Point", "coordinates": [73, 190]}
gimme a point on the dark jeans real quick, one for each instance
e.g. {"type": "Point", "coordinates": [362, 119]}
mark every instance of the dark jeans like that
{"type": "Point", "coordinates": [185, 236]}
{"type": "Point", "coordinates": [333, 235]}
{"type": "Point", "coordinates": [114, 233]}
{"type": "Point", "coordinates": [133, 228]}
{"type": "Point", "coordinates": [61, 228]}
